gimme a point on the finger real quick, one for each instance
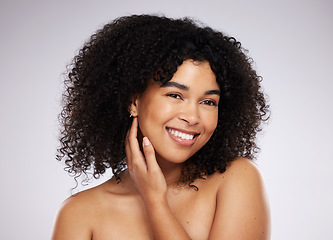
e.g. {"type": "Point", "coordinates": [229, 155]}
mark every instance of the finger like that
{"type": "Point", "coordinates": [128, 149]}
{"type": "Point", "coordinates": [149, 153]}
{"type": "Point", "coordinates": [137, 158]}
{"type": "Point", "coordinates": [134, 128]}
{"type": "Point", "coordinates": [128, 153]}
{"type": "Point", "coordinates": [131, 133]}
{"type": "Point", "coordinates": [132, 139]}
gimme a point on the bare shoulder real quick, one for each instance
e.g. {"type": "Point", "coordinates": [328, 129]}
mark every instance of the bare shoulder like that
{"type": "Point", "coordinates": [79, 204]}
{"type": "Point", "coordinates": [242, 180]}
{"type": "Point", "coordinates": [242, 206]}
{"type": "Point", "coordinates": [76, 216]}
{"type": "Point", "coordinates": [242, 169]}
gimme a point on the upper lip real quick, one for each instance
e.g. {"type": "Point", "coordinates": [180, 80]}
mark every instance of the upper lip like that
{"type": "Point", "coordinates": [184, 131]}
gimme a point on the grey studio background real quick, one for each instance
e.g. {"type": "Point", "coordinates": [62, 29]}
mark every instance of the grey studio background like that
{"type": "Point", "coordinates": [291, 43]}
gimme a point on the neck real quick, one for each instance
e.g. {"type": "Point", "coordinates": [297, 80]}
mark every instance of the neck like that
{"type": "Point", "coordinates": [171, 175]}
{"type": "Point", "coordinates": [171, 171]}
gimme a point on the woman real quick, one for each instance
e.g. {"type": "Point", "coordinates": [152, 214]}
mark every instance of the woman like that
{"type": "Point", "coordinates": [173, 108]}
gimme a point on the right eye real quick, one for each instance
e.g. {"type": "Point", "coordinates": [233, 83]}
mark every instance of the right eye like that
{"type": "Point", "coordinates": [174, 95]}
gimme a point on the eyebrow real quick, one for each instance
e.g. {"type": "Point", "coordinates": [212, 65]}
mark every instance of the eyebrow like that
{"type": "Point", "coordinates": [175, 84]}
{"type": "Point", "coordinates": [183, 87]}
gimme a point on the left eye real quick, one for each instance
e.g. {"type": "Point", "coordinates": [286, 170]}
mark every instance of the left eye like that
{"type": "Point", "coordinates": [209, 103]}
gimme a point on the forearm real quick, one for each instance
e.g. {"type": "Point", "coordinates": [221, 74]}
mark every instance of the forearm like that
{"type": "Point", "coordinates": [163, 222]}
{"type": "Point", "coordinates": [150, 183]}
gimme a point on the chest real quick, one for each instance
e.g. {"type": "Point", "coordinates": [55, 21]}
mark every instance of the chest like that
{"type": "Point", "coordinates": [125, 217]}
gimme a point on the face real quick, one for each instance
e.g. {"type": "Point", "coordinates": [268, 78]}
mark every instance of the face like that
{"type": "Point", "coordinates": [180, 116]}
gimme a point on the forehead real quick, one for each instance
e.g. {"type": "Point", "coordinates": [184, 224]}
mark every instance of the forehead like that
{"type": "Point", "coordinates": [195, 74]}
{"type": "Point", "coordinates": [190, 75]}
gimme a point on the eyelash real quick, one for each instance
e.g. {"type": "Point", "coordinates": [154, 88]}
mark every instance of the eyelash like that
{"type": "Point", "coordinates": [206, 102]}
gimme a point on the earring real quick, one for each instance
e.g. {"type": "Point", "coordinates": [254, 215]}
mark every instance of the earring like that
{"type": "Point", "coordinates": [131, 113]}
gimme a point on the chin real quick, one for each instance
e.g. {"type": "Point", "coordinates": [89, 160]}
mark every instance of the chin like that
{"type": "Point", "coordinates": [177, 157]}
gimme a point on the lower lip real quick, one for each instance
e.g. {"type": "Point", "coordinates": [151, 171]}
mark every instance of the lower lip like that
{"type": "Point", "coordinates": [181, 141]}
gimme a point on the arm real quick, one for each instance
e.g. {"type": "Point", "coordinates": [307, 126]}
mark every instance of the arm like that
{"type": "Point", "coordinates": [150, 183]}
{"type": "Point", "coordinates": [242, 209]}
{"type": "Point", "coordinates": [163, 222]}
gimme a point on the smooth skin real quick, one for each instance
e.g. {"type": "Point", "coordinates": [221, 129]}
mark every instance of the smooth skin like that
{"type": "Point", "coordinates": [148, 203]}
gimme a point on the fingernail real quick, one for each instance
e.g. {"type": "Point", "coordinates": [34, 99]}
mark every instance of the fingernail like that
{"type": "Point", "coordinates": [145, 142]}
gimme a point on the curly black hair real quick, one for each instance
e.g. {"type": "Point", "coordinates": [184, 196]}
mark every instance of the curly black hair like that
{"type": "Point", "coordinates": [117, 63]}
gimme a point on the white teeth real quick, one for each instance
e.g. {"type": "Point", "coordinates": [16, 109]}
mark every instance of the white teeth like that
{"type": "Point", "coordinates": [181, 135]}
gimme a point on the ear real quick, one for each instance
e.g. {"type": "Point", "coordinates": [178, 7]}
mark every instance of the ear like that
{"type": "Point", "coordinates": [133, 108]}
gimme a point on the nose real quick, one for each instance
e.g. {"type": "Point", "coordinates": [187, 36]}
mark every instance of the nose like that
{"type": "Point", "coordinates": [189, 113]}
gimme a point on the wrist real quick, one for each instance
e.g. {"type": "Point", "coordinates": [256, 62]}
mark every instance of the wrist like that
{"type": "Point", "coordinates": [155, 202]}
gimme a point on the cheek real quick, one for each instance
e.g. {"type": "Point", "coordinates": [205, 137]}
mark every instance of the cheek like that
{"type": "Point", "coordinates": [156, 111]}
{"type": "Point", "coordinates": [151, 117]}
{"type": "Point", "coordinates": [210, 121]}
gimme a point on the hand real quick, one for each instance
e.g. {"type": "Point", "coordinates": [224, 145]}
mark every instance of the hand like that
{"type": "Point", "coordinates": [143, 168]}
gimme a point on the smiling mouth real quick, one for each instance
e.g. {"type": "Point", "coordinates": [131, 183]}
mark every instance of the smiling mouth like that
{"type": "Point", "coordinates": [182, 135]}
